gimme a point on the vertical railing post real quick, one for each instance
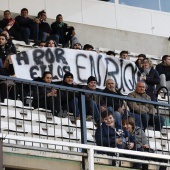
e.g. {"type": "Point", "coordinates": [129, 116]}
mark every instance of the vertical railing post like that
{"type": "Point", "coordinates": [1, 153]}
{"type": "Point", "coordinates": [1, 143]}
{"type": "Point", "coordinates": [83, 124]}
{"type": "Point", "coordinates": [91, 159]}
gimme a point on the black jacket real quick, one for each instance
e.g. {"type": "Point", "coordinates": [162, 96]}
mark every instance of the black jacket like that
{"type": "Point", "coordinates": [110, 101]}
{"type": "Point", "coordinates": [4, 23]}
{"type": "Point", "coordinates": [152, 79]}
{"type": "Point", "coordinates": [45, 27]}
{"type": "Point", "coordinates": [60, 31]}
{"type": "Point", "coordinates": [163, 69]}
{"type": "Point", "coordinates": [67, 95]}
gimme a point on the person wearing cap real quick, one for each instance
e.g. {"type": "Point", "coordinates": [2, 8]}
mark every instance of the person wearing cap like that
{"type": "Point", "coordinates": [75, 43]}
{"type": "Point", "coordinates": [69, 101]}
{"type": "Point", "coordinates": [93, 101]}
{"type": "Point", "coordinates": [64, 31]}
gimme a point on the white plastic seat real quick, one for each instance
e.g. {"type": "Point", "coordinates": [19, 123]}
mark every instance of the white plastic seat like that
{"type": "Point", "coordinates": [77, 135]}
{"type": "Point", "coordinates": [155, 145]}
{"type": "Point", "coordinates": [89, 125]}
{"type": "Point", "coordinates": [11, 113]}
{"type": "Point", "coordinates": [57, 132]}
{"type": "Point", "coordinates": [63, 121]}
{"type": "Point", "coordinates": [154, 134]}
{"type": "Point", "coordinates": [16, 103]}
{"type": "Point", "coordinates": [8, 126]}
{"type": "Point", "coordinates": [34, 129]}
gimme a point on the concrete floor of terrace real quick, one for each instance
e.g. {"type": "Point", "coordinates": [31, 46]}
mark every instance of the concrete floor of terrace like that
{"type": "Point", "coordinates": [27, 162]}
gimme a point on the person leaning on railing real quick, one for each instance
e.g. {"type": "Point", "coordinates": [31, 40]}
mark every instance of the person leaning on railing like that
{"type": "Point", "coordinates": [151, 77]}
{"type": "Point", "coordinates": [46, 97]}
{"type": "Point", "coordinates": [118, 107]}
{"type": "Point", "coordinates": [140, 139]}
{"type": "Point", "coordinates": [93, 102]}
{"type": "Point", "coordinates": [146, 111]}
{"type": "Point", "coordinates": [107, 135]}
{"type": "Point", "coordinates": [69, 100]}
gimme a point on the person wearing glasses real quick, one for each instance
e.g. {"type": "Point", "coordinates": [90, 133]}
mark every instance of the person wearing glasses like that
{"type": "Point", "coordinates": [45, 32]}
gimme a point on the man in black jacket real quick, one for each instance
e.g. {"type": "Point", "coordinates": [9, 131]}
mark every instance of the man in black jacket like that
{"type": "Point", "coordinates": [117, 106]}
{"type": "Point", "coordinates": [45, 32]}
{"type": "Point", "coordinates": [69, 101]}
{"type": "Point", "coordinates": [64, 31]}
{"type": "Point", "coordinates": [164, 71]}
{"type": "Point", "coordinates": [29, 27]}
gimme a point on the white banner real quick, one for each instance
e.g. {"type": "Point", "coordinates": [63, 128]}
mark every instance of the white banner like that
{"type": "Point", "coordinates": [32, 63]}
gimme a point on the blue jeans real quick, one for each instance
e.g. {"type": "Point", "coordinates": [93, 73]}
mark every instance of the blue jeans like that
{"type": "Point", "coordinates": [73, 107]}
{"type": "Point", "coordinates": [93, 110]}
{"type": "Point", "coordinates": [153, 120]}
{"type": "Point", "coordinates": [25, 34]}
{"type": "Point", "coordinates": [44, 37]}
{"type": "Point", "coordinates": [1, 63]}
{"type": "Point", "coordinates": [118, 118]}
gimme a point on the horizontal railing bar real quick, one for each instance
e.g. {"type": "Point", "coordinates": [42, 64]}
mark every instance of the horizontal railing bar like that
{"type": "Point", "coordinates": [85, 91]}
{"type": "Point", "coordinates": [131, 160]}
{"type": "Point", "coordinates": [84, 146]}
{"type": "Point", "coordinates": [44, 149]}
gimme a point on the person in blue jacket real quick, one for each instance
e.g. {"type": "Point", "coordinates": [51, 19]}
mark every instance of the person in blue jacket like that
{"type": "Point", "coordinates": [107, 135]}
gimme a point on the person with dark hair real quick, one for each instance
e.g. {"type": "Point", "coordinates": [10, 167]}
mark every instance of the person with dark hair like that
{"type": "Point", "coordinates": [118, 107]}
{"type": "Point", "coordinates": [46, 97]}
{"type": "Point", "coordinates": [50, 43]}
{"type": "Point", "coordinates": [145, 110]}
{"type": "Point", "coordinates": [88, 47]}
{"type": "Point", "coordinates": [107, 135]}
{"type": "Point", "coordinates": [139, 61]}
{"type": "Point", "coordinates": [29, 27]}
{"type": "Point", "coordinates": [93, 102]}
{"type": "Point", "coordinates": [11, 26]}
{"type": "Point", "coordinates": [69, 100]}
{"type": "Point", "coordinates": [64, 31]}
{"type": "Point", "coordinates": [42, 44]}
{"type": "Point", "coordinates": [111, 53]}
{"type": "Point", "coordinates": [164, 72]}
{"type": "Point", "coordinates": [151, 77]}
{"type": "Point", "coordinates": [140, 139]}
{"type": "Point", "coordinates": [124, 55]}
{"type": "Point", "coordinates": [45, 32]}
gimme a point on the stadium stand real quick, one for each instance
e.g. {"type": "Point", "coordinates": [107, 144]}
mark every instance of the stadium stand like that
{"type": "Point", "coordinates": [35, 139]}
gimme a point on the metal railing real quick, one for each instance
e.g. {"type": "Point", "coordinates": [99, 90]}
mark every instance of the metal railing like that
{"type": "Point", "coordinates": [19, 122]}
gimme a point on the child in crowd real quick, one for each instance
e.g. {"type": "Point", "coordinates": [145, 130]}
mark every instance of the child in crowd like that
{"type": "Point", "coordinates": [140, 138]}
{"type": "Point", "coordinates": [107, 135]}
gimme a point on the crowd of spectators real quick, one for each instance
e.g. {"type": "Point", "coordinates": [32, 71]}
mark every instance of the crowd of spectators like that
{"type": "Point", "coordinates": [102, 109]}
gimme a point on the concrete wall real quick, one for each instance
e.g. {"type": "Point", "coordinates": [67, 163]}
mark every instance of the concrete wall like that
{"type": "Point", "coordinates": [108, 25]}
